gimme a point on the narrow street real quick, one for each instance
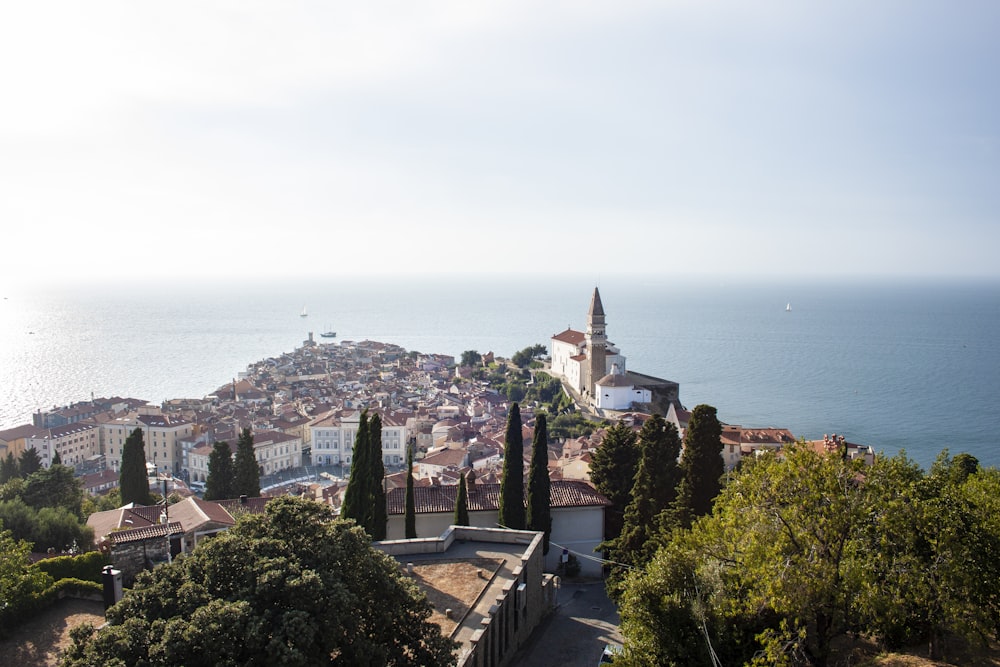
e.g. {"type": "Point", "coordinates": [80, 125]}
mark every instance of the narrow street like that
{"type": "Point", "coordinates": [574, 635]}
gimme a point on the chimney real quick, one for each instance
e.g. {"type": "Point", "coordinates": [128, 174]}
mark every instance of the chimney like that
{"type": "Point", "coordinates": [470, 481]}
{"type": "Point", "coordinates": [243, 500]}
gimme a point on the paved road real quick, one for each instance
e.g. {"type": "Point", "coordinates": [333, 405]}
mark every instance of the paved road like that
{"type": "Point", "coordinates": [574, 635]}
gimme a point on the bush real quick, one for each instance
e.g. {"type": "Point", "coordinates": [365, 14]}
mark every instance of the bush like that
{"type": "Point", "coordinates": [86, 567]}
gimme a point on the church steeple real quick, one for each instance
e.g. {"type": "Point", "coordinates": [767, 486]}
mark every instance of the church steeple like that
{"type": "Point", "coordinates": [597, 342]}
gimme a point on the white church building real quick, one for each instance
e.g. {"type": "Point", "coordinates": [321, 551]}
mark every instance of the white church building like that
{"type": "Point", "coordinates": [593, 367]}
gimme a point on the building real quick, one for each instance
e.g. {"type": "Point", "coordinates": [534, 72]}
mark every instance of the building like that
{"type": "Point", "coordinates": [276, 451]}
{"type": "Point", "coordinates": [577, 516]}
{"type": "Point", "coordinates": [594, 369]}
{"type": "Point", "coordinates": [487, 585]}
{"type": "Point", "coordinates": [333, 438]}
{"type": "Point", "coordinates": [162, 436]}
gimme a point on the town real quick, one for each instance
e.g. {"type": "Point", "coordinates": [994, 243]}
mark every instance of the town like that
{"type": "Point", "coordinates": [304, 409]}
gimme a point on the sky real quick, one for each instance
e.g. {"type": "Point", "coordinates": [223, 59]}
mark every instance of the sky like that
{"type": "Point", "coordinates": [174, 140]}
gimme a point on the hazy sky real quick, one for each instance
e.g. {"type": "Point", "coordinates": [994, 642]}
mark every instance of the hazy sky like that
{"type": "Point", "coordinates": [162, 139]}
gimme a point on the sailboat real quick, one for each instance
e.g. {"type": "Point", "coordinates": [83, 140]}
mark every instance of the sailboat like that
{"type": "Point", "coordinates": [788, 307]}
{"type": "Point", "coordinates": [329, 333]}
{"type": "Point", "coordinates": [303, 313]}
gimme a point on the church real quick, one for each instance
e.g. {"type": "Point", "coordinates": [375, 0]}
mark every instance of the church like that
{"type": "Point", "coordinates": [594, 369]}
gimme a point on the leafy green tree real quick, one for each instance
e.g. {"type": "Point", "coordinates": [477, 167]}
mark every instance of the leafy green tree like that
{"type": "Point", "coordinates": [219, 485]}
{"type": "Point", "coordinates": [29, 462]}
{"type": "Point", "coordinates": [45, 528]}
{"type": "Point", "coordinates": [462, 502]}
{"type": "Point", "coordinates": [8, 468]}
{"type": "Point", "coordinates": [539, 515]}
{"type": "Point", "coordinates": [246, 480]}
{"type": "Point", "coordinates": [702, 466]}
{"type": "Point", "coordinates": [20, 583]}
{"type": "Point", "coordinates": [523, 358]}
{"type": "Point", "coordinates": [471, 358]}
{"type": "Point", "coordinates": [410, 511]}
{"type": "Point", "coordinates": [380, 511]}
{"type": "Point", "coordinates": [612, 470]}
{"type": "Point", "coordinates": [290, 587]}
{"type": "Point", "coordinates": [358, 494]}
{"type": "Point", "coordinates": [511, 510]}
{"type": "Point", "coordinates": [55, 486]}
{"type": "Point", "coordinates": [132, 478]}
{"type": "Point", "coordinates": [653, 492]}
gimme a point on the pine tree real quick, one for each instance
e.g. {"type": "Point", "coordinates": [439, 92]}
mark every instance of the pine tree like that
{"type": "Point", "coordinates": [539, 498]}
{"type": "Point", "coordinates": [462, 503]}
{"type": "Point", "coordinates": [247, 473]}
{"type": "Point", "coordinates": [701, 466]}
{"type": "Point", "coordinates": [357, 495]}
{"type": "Point", "coordinates": [410, 512]}
{"type": "Point", "coordinates": [612, 471]}
{"type": "Point", "coordinates": [511, 514]}
{"type": "Point", "coordinates": [29, 462]}
{"type": "Point", "coordinates": [219, 485]}
{"type": "Point", "coordinates": [133, 479]}
{"type": "Point", "coordinates": [56, 459]}
{"type": "Point", "coordinates": [379, 512]}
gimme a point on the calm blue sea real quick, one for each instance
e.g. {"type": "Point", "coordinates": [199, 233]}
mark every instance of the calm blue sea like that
{"type": "Point", "coordinates": [894, 365]}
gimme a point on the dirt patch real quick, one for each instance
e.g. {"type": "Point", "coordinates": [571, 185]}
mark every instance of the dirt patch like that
{"type": "Point", "coordinates": [453, 584]}
{"type": "Point", "coordinates": [41, 640]}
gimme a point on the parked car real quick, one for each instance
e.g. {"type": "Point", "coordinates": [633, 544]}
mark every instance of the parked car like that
{"type": "Point", "coordinates": [609, 653]}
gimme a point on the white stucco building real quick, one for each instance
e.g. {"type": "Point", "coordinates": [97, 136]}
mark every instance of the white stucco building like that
{"type": "Point", "coordinates": [333, 438]}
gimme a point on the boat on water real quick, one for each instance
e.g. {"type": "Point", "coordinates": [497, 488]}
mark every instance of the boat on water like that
{"type": "Point", "coordinates": [788, 308]}
{"type": "Point", "coordinates": [329, 334]}
{"type": "Point", "coordinates": [303, 313]}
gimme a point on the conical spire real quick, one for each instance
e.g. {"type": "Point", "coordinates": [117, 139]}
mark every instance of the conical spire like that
{"type": "Point", "coordinates": [596, 307]}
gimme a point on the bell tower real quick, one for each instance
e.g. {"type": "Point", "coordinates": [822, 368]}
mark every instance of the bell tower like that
{"type": "Point", "coordinates": [597, 342]}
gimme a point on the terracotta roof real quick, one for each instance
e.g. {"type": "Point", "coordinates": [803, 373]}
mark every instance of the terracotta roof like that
{"type": "Point", "coordinates": [486, 497]}
{"type": "Point", "coordinates": [145, 533]}
{"type": "Point", "coordinates": [570, 336]}
{"type": "Point", "coordinates": [24, 431]}
{"type": "Point", "coordinates": [614, 380]}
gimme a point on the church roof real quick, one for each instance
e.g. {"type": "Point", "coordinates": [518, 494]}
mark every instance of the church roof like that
{"type": "Point", "coordinates": [614, 380]}
{"type": "Point", "coordinates": [570, 336]}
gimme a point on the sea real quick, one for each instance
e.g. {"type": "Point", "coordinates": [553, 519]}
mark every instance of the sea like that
{"type": "Point", "coordinates": [899, 365]}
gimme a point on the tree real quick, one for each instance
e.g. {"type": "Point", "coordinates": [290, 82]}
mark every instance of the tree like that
{"type": "Point", "coordinates": [380, 512]}
{"type": "Point", "coordinates": [410, 512]}
{"type": "Point", "coordinates": [511, 510]}
{"type": "Point", "coordinates": [219, 485]}
{"type": "Point", "coordinates": [471, 358]}
{"type": "Point", "coordinates": [290, 587]}
{"type": "Point", "coordinates": [55, 486]}
{"type": "Point", "coordinates": [56, 459]}
{"type": "Point", "coordinates": [612, 470]}
{"type": "Point", "coordinates": [29, 461]}
{"type": "Point", "coordinates": [702, 466]}
{"type": "Point", "coordinates": [358, 494]}
{"type": "Point", "coordinates": [8, 468]}
{"type": "Point", "coordinates": [539, 515]}
{"type": "Point", "coordinates": [246, 475]}
{"type": "Point", "coordinates": [20, 583]}
{"type": "Point", "coordinates": [45, 528]}
{"type": "Point", "coordinates": [133, 480]}
{"type": "Point", "coordinates": [653, 492]}
{"type": "Point", "coordinates": [462, 502]}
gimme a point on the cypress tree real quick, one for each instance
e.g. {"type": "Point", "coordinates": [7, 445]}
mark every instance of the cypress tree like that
{"type": "Point", "coordinates": [379, 512]}
{"type": "Point", "coordinates": [8, 468]}
{"type": "Point", "coordinates": [462, 503]}
{"type": "Point", "coordinates": [56, 459]}
{"type": "Point", "coordinates": [612, 471]}
{"type": "Point", "coordinates": [219, 485]}
{"type": "Point", "coordinates": [410, 513]}
{"type": "Point", "coordinates": [246, 480]}
{"type": "Point", "coordinates": [357, 495]}
{"type": "Point", "coordinates": [701, 465]}
{"type": "Point", "coordinates": [132, 478]}
{"type": "Point", "coordinates": [539, 498]}
{"type": "Point", "coordinates": [654, 491]}
{"type": "Point", "coordinates": [511, 514]}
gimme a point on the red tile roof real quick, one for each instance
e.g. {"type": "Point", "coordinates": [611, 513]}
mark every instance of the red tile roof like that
{"type": "Point", "coordinates": [486, 497]}
{"type": "Point", "coordinates": [570, 336]}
